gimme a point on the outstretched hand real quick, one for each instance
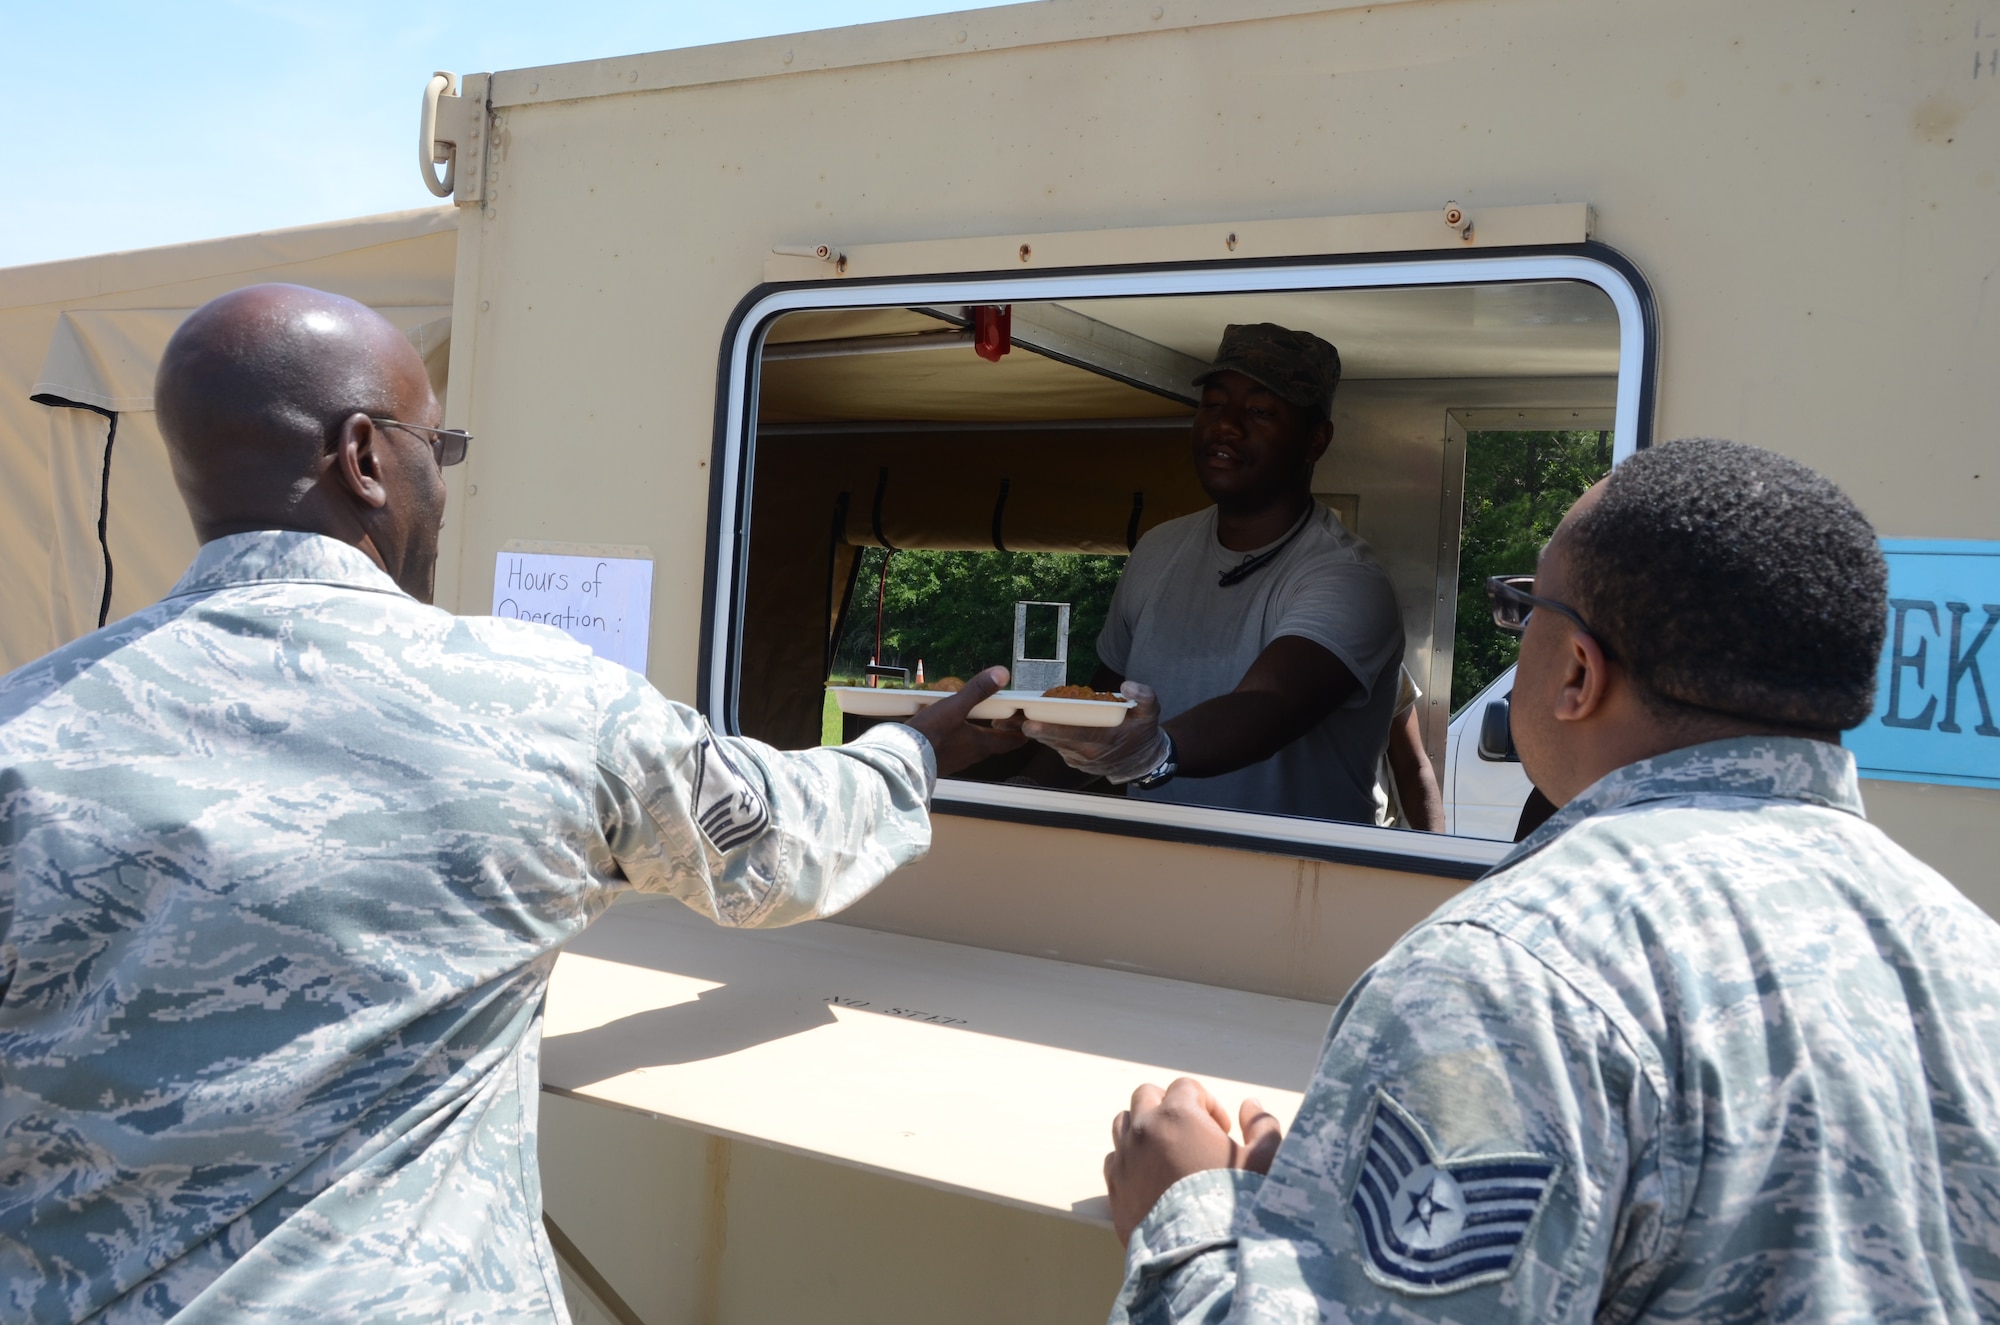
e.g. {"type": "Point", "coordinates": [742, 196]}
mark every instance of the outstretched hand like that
{"type": "Point", "coordinates": [1167, 1135]}
{"type": "Point", "coordinates": [958, 743]}
{"type": "Point", "coordinates": [1130, 750]}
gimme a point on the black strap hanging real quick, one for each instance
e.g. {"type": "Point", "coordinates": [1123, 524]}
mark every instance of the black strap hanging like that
{"type": "Point", "coordinates": [1000, 516]}
{"type": "Point", "coordinates": [881, 491]}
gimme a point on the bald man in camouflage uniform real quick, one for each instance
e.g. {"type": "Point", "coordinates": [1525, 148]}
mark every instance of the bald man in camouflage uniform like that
{"type": "Point", "coordinates": [1705, 1047]}
{"type": "Point", "coordinates": [286, 859]}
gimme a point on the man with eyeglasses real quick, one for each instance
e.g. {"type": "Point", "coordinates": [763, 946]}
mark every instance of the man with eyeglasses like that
{"type": "Point", "coordinates": [286, 859]}
{"type": "Point", "coordinates": [1706, 1046]}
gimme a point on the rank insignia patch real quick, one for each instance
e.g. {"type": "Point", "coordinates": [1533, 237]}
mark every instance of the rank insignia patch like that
{"type": "Point", "coordinates": [729, 809]}
{"type": "Point", "coordinates": [1430, 1225]}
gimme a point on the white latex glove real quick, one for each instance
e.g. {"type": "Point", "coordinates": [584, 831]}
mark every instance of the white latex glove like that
{"type": "Point", "coordinates": [1130, 750]}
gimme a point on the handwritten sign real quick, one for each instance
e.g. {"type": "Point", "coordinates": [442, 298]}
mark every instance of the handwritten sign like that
{"type": "Point", "coordinates": [602, 600]}
{"type": "Point", "coordinates": [1935, 692]}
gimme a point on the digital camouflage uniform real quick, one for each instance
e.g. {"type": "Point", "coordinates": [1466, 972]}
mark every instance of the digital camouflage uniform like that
{"type": "Point", "coordinates": [1706, 1047]}
{"type": "Point", "coordinates": [285, 860]}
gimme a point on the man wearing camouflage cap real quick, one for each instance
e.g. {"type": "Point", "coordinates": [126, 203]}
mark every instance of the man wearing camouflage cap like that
{"type": "Point", "coordinates": [1707, 1046]}
{"type": "Point", "coordinates": [1259, 638]}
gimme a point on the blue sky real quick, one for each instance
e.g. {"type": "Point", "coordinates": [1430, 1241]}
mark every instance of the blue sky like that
{"type": "Point", "coordinates": [130, 124]}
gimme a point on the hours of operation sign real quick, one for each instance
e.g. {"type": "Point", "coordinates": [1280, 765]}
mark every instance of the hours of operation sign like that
{"type": "Point", "coordinates": [600, 599]}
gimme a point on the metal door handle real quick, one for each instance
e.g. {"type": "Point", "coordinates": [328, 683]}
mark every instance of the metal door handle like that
{"type": "Point", "coordinates": [429, 150]}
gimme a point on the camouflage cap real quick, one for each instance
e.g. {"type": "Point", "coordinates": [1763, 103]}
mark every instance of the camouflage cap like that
{"type": "Point", "coordinates": [1297, 365]}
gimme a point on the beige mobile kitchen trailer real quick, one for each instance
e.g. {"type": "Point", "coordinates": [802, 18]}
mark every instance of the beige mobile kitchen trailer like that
{"type": "Point", "coordinates": [738, 314]}
{"type": "Point", "coordinates": [723, 309]}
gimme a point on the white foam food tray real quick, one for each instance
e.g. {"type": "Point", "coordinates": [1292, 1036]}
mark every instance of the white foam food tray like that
{"type": "Point", "coordinates": [868, 703]}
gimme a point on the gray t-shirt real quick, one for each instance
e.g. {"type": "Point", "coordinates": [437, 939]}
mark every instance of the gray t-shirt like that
{"type": "Point", "coordinates": [1175, 628]}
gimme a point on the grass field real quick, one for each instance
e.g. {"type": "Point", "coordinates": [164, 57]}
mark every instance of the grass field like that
{"type": "Point", "coordinates": [829, 722]}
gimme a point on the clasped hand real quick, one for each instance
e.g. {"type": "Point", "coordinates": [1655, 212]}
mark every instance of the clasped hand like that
{"type": "Point", "coordinates": [1130, 750]}
{"type": "Point", "coordinates": [1167, 1135]}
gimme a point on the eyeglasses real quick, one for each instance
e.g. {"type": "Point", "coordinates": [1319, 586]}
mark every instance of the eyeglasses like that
{"type": "Point", "coordinates": [447, 444]}
{"type": "Point", "coordinates": [1513, 602]}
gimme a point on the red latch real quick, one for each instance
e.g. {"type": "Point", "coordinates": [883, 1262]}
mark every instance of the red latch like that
{"type": "Point", "coordinates": [992, 331]}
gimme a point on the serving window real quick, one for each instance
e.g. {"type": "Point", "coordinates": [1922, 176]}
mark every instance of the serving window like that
{"type": "Point", "coordinates": [953, 473]}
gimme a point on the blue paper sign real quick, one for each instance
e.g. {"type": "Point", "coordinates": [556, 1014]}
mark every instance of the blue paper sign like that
{"type": "Point", "coordinates": [1939, 681]}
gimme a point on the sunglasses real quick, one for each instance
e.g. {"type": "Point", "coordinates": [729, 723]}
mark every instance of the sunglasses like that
{"type": "Point", "coordinates": [447, 444]}
{"type": "Point", "coordinates": [1514, 600]}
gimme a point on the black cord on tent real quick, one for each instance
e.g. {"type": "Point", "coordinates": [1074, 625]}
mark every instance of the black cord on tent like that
{"type": "Point", "coordinates": [103, 492]}
{"type": "Point", "coordinates": [104, 520]}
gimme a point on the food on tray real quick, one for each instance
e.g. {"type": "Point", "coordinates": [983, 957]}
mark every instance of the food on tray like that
{"type": "Point", "coordinates": [1081, 692]}
{"type": "Point", "coordinates": [951, 685]}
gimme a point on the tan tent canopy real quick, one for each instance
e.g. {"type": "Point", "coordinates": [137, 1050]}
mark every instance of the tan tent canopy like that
{"type": "Point", "coordinates": [91, 526]}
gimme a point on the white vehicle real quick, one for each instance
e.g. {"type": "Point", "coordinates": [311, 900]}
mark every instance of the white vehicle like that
{"type": "Point", "coordinates": [1484, 785]}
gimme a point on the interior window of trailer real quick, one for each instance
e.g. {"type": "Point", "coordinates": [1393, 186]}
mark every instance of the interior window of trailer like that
{"type": "Point", "coordinates": [933, 488]}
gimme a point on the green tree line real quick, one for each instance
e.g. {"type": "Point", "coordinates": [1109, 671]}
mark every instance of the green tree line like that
{"type": "Point", "coordinates": [1518, 485]}
{"type": "Point", "coordinates": [955, 610]}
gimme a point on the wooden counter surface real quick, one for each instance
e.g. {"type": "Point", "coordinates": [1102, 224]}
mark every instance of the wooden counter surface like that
{"type": "Point", "coordinates": [971, 1070]}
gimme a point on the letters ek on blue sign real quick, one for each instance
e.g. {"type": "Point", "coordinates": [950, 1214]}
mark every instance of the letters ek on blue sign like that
{"type": "Point", "coordinates": [1935, 692]}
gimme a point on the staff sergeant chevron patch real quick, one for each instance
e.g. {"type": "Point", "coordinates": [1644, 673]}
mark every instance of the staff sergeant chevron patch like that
{"type": "Point", "coordinates": [1430, 1226]}
{"type": "Point", "coordinates": [729, 809]}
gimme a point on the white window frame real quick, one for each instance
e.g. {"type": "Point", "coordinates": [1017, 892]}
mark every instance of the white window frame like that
{"type": "Point", "coordinates": [1429, 853]}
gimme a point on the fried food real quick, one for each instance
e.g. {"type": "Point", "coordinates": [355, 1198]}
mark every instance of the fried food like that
{"type": "Point", "coordinates": [951, 685]}
{"type": "Point", "coordinates": [1079, 692]}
